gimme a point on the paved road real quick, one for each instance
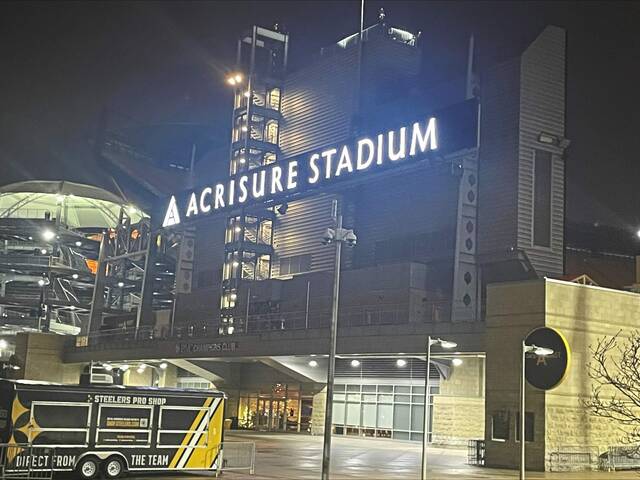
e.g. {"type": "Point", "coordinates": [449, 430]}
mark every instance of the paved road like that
{"type": "Point", "coordinates": [298, 457]}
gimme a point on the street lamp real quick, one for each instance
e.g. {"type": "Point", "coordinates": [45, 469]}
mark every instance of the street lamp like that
{"type": "Point", "coordinates": [337, 236]}
{"type": "Point", "coordinates": [425, 434]}
{"type": "Point", "coordinates": [540, 352]}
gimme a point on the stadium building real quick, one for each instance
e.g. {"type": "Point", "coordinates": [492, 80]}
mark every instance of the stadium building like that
{"type": "Point", "coordinates": [455, 192]}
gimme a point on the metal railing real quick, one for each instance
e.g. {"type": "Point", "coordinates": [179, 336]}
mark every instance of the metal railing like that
{"type": "Point", "coordinates": [569, 458]}
{"type": "Point", "coordinates": [236, 456]}
{"type": "Point", "coordinates": [258, 323]}
{"type": "Point", "coordinates": [475, 452]}
{"type": "Point", "coordinates": [25, 462]}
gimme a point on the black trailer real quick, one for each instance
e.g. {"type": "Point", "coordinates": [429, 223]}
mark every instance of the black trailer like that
{"type": "Point", "coordinates": [109, 429]}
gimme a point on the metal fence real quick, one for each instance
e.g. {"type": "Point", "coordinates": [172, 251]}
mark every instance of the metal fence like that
{"type": "Point", "coordinates": [578, 457]}
{"type": "Point", "coordinates": [621, 458]}
{"type": "Point", "coordinates": [26, 462]}
{"type": "Point", "coordinates": [475, 452]}
{"type": "Point", "coordinates": [238, 456]}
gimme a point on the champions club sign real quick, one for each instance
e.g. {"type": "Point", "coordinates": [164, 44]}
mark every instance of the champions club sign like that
{"type": "Point", "coordinates": [286, 179]}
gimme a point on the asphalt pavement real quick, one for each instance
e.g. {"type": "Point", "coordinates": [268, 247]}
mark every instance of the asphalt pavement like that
{"type": "Point", "coordinates": [298, 457]}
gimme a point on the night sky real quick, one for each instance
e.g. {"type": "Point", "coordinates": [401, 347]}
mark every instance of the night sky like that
{"type": "Point", "coordinates": [63, 63]}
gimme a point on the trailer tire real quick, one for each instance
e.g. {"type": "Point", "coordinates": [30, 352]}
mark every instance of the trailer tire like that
{"type": "Point", "coordinates": [88, 468]}
{"type": "Point", "coordinates": [113, 467]}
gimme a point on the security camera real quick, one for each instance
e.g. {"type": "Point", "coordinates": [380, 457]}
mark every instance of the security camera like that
{"type": "Point", "coordinates": [328, 236]}
{"type": "Point", "coordinates": [351, 239]}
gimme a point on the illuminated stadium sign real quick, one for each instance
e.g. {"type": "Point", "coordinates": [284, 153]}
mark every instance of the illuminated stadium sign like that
{"type": "Point", "coordinates": [288, 179]}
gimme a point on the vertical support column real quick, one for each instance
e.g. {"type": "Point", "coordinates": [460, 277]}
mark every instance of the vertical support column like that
{"type": "Point", "coordinates": [97, 300]}
{"type": "Point", "coordinates": [464, 306]}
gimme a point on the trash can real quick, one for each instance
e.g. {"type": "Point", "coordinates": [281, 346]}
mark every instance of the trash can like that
{"type": "Point", "coordinates": [227, 423]}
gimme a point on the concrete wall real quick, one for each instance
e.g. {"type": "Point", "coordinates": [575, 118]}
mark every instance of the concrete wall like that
{"type": "Point", "coordinates": [583, 314]}
{"type": "Point", "coordinates": [458, 413]}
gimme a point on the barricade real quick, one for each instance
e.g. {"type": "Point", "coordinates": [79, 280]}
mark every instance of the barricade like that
{"type": "Point", "coordinates": [238, 456]}
{"type": "Point", "coordinates": [475, 452]}
{"type": "Point", "coordinates": [26, 462]}
{"type": "Point", "coordinates": [571, 458]}
{"type": "Point", "coordinates": [622, 458]}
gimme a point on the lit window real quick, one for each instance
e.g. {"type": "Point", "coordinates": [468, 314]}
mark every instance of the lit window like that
{"type": "Point", "coordinates": [272, 131]}
{"type": "Point", "coordinates": [273, 99]}
{"type": "Point", "coordinates": [263, 267]}
{"type": "Point", "coordinates": [269, 158]}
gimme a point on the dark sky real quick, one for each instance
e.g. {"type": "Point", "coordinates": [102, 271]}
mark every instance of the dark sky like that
{"type": "Point", "coordinates": [62, 63]}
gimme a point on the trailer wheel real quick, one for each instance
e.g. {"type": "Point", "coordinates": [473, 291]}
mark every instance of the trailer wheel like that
{"type": "Point", "coordinates": [113, 467]}
{"type": "Point", "coordinates": [88, 467]}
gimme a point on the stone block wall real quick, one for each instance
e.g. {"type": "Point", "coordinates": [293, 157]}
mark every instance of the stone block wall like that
{"type": "Point", "coordinates": [562, 424]}
{"type": "Point", "coordinates": [458, 412]}
{"type": "Point", "coordinates": [583, 314]}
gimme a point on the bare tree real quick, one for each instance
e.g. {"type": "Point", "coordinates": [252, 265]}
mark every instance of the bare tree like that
{"type": "Point", "coordinates": [615, 395]}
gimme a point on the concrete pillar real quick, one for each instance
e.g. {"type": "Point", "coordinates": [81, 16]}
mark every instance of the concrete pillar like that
{"type": "Point", "coordinates": [513, 310]}
{"type": "Point", "coordinates": [169, 377]}
{"type": "Point", "coordinates": [317, 416]}
{"type": "Point", "coordinates": [40, 356]}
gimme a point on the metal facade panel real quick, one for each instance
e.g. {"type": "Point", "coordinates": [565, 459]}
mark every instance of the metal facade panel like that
{"type": "Point", "coordinates": [498, 165]}
{"type": "Point", "coordinates": [299, 232]}
{"type": "Point", "coordinates": [542, 109]}
{"type": "Point", "coordinates": [318, 103]}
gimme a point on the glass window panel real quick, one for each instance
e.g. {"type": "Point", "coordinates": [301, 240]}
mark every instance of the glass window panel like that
{"type": "Point", "coordinates": [263, 267]}
{"type": "Point", "coordinates": [338, 396]}
{"type": "Point", "coordinates": [417, 398]}
{"type": "Point", "coordinates": [250, 229]}
{"type": "Point", "coordinates": [369, 388]}
{"type": "Point", "coordinates": [353, 414]}
{"type": "Point", "coordinates": [265, 231]}
{"type": "Point", "coordinates": [369, 397]}
{"type": "Point", "coordinates": [417, 417]}
{"type": "Point", "coordinates": [401, 435]}
{"type": "Point", "coordinates": [416, 437]}
{"type": "Point", "coordinates": [401, 419]}
{"type": "Point", "coordinates": [403, 398]}
{"type": "Point", "coordinates": [353, 397]}
{"type": "Point", "coordinates": [353, 388]}
{"type": "Point", "coordinates": [403, 389]}
{"type": "Point", "coordinates": [385, 388]}
{"type": "Point", "coordinates": [418, 390]}
{"type": "Point", "coordinates": [369, 415]}
{"type": "Point", "coordinates": [385, 416]}
{"type": "Point", "coordinates": [385, 398]}
{"type": "Point", "coordinates": [338, 413]}
{"type": "Point", "coordinates": [339, 388]}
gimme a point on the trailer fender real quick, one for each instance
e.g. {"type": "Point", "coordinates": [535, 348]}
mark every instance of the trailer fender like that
{"type": "Point", "coordinates": [103, 455]}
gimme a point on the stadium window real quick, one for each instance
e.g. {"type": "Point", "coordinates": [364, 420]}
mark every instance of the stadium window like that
{"type": "Point", "coordinates": [500, 426]}
{"type": "Point", "coordinates": [542, 199]}
{"type": "Point", "coordinates": [295, 264]}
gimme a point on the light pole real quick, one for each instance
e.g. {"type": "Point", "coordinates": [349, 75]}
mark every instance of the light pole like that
{"type": "Point", "coordinates": [338, 236]}
{"type": "Point", "coordinates": [425, 433]}
{"type": "Point", "coordinates": [540, 352]}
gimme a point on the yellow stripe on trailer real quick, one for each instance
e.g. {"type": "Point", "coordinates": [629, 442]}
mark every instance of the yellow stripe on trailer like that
{"type": "Point", "coordinates": [208, 445]}
{"type": "Point", "coordinates": [184, 446]}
